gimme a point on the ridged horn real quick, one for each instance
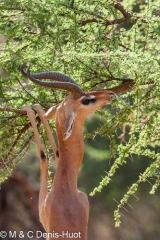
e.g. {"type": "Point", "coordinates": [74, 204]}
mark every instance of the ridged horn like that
{"type": "Point", "coordinates": [56, 76]}
{"type": "Point", "coordinates": [61, 83]}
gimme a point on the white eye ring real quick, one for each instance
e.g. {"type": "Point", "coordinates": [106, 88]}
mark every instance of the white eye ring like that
{"type": "Point", "coordinates": [86, 100]}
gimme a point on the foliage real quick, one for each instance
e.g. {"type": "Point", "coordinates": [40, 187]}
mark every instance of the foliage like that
{"type": "Point", "coordinates": [101, 45]}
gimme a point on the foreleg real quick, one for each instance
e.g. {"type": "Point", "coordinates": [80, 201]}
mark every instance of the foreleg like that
{"type": "Point", "coordinates": [43, 161]}
{"type": "Point", "coordinates": [41, 112]}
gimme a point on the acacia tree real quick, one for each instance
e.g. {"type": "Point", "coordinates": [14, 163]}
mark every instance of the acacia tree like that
{"type": "Point", "coordinates": [101, 45]}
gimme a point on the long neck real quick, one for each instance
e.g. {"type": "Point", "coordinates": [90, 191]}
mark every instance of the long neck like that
{"type": "Point", "coordinates": [70, 158]}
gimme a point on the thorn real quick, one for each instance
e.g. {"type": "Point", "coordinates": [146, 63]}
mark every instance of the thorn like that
{"type": "Point", "coordinates": [121, 205]}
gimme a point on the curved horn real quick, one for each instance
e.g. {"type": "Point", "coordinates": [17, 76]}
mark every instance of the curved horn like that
{"type": "Point", "coordinates": [69, 86]}
{"type": "Point", "coordinates": [56, 76]}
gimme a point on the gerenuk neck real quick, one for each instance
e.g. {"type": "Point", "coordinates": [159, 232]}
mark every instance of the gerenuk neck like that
{"type": "Point", "coordinates": [71, 153]}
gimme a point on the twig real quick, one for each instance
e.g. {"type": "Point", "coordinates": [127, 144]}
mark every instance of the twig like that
{"type": "Point", "coordinates": [8, 109]}
{"type": "Point", "coordinates": [23, 130]}
{"type": "Point", "coordinates": [28, 92]}
{"type": "Point", "coordinates": [120, 7]}
{"type": "Point", "coordinates": [26, 145]}
{"type": "Point", "coordinates": [127, 16]}
{"type": "Point", "coordinates": [92, 20]}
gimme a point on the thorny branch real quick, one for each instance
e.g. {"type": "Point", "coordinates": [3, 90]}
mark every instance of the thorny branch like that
{"type": "Point", "coordinates": [120, 7]}
{"type": "Point", "coordinates": [97, 17]}
{"type": "Point", "coordinates": [126, 17]}
{"type": "Point", "coordinates": [22, 131]}
{"type": "Point", "coordinates": [8, 109]}
{"type": "Point", "coordinates": [25, 146]}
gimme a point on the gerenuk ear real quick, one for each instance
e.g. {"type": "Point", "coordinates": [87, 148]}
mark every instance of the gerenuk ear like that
{"type": "Point", "coordinates": [51, 113]}
{"type": "Point", "coordinates": [69, 125]}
